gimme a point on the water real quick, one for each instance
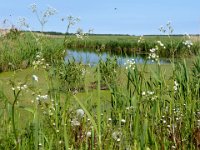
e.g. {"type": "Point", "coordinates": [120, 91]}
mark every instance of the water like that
{"type": "Point", "coordinates": [92, 58]}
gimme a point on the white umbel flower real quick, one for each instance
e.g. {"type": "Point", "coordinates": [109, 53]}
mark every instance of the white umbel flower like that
{"type": "Point", "coordinates": [35, 78]}
{"type": "Point", "coordinates": [80, 113]}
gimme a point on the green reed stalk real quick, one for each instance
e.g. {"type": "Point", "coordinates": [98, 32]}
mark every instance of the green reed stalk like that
{"type": "Point", "coordinates": [99, 107]}
{"type": "Point", "coordinates": [16, 95]}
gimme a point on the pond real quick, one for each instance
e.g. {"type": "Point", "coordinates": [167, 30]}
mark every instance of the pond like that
{"type": "Point", "coordinates": [93, 57]}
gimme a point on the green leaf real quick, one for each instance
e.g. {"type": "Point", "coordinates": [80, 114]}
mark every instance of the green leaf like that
{"type": "Point", "coordinates": [27, 109]}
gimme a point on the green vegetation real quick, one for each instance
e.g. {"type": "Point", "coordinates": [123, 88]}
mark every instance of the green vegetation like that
{"type": "Point", "coordinates": [49, 103]}
{"type": "Point", "coordinates": [131, 44]}
{"type": "Point", "coordinates": [19, 49]}
{"type": "Point", "coordinates": [144, 106]}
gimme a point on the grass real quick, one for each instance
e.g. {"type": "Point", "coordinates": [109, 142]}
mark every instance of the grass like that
{"type": "Point", "coordinates": [139, 110]}
{"type": "Point", "coordinates": [19, 49]}
{"type": "Point", "coordinates": [47, 103]}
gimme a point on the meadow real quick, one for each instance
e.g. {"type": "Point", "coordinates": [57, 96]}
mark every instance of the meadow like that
{"type": "Point", "coordinates": [19, 48]}
{"type": "Point", "coordinates": [49, 103]}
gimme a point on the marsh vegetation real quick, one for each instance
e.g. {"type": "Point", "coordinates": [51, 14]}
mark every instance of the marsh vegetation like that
{"type": "Point", "coordinates": [48, 102]}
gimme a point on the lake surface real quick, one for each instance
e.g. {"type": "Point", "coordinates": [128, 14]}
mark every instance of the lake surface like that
{"type": "Point", "coordinates": [92, 58]}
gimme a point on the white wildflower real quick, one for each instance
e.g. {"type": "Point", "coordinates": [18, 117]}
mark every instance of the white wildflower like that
{"type": "Point", "coordinates": [83, 71]}
{"type": "Point", "coordinates": [75, 122]}
{"type": "Point", "coordinates": [24, 87]}
{"type": "Point", "coordinates": [176, 85]}
{"type": "Point", "coordinates": [143, 93]}
{"type": "Point", "coordinates": [109, 119]}
{"type": "Point", "coordinates": [79, 36]}
{"type": "Point", "coordinates": [41, 97]}
{"type": "Point", "coordinates": [153, 55]}
{"type": "Point", "coordinates": [160, 43]}
{"type": "Point", "coordinates": [153, 50]}
{"type": "Point", "coordinates": [173, 147]}
{"type": "Point", "coordinates": [88, 134]}
{"type": "Point", "coordinates": [141, 39]}
{"type": "Point", "coordinates": [150, 92]}
{"type": "Point", "coordinates": [123, 121]}
{"type": "Point", "coordinates": [38, 56]}
{"type": "Point", "coordinates": [188, 43]}
{"type": "Point", "coordinates": [80, 113]}
{"type": "Point", "coordinates": [116, 136]}
{"type": "Point", "coordinates": [35, 78]}
{"type": "Point", "coordinates": [130, 64]}
{"type": "Point", "coordinates": [44, 97]}
{"type": "Point", "coordinates": [33, 7]}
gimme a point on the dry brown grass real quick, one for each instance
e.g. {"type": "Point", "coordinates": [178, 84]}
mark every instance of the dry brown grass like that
{"type": "Point", "coordinates": [4, 32]}
{"type": "Point", "coordinates": [195, 38]}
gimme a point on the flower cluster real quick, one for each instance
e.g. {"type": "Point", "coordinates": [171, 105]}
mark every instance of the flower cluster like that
{"type": "Point", "coordinates": [176, 85]}
{"type": "Point", "coordinates": [22, 22]}
{"type": "Point", "coordinates": [168, 28]}
{"type": "Point", "coordinates": [50, 12]}
{"type": "Point", "coordinates": [79, 115]}
{"type": "Point", "coordinates": [162, 29]}
{"type": "Point", "coordinates": [161, 44]}
{"type": "Point", "coordinates": [152, 55]}
{"type": "Point", "coordinates": [141, 39]}
{"type": "Point", "coordinates": [188, 43]}
{"type": "Point", "coordinates": [150, 95]}
{"type": "Point", "coordinates": [20, 87]}
{"type": "Point", "coordinates": [52, 109]}
{"type": "Point", "coordinates": [130, 64]}
{"type": "Point", "coordinates": [75, 122]}
{"type": "Point", "coordinates": [83, 71]}
{"type": "Point", "coordinates": [147, 93]}
{"type": "Point", "coordinates": [81, 35]}
{"type": "Point", "coordinates": [43, 16]}
{"type": "Point", "coordinates": [41, 97]}
{"type": "Point", "coordinates": [117, 136]}
{"type": "Point", "coordinates": [39, 61]}
{"type": "Point", "coordinates": [33, 7]}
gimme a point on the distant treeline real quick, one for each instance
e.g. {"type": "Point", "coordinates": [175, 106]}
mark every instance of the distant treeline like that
{"type": "Point", "coordinates": [171, 35]}
{"type": "Point", "coordinates": [104, 34]}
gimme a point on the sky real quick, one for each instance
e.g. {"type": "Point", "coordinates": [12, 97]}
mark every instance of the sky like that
{"type": "Point", "coordinates": [133, 17]}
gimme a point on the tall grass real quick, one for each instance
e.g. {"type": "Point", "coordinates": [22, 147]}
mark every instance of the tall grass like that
{"type": "Point", "coordinates": [67, 106]}
{"type": "Point", "coordinates": [129, 44]}
{"type": "Point", "coordinates": [147, 110]}
{"type": "Point", "coordinates": [19, 50]}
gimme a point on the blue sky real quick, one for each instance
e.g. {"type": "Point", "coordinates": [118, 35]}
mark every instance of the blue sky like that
{"type": "Point", "coordinates": [134, 17]}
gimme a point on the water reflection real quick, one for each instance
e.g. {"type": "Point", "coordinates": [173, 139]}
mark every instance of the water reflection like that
{"type": "Point", "coordinates": [91, 57]}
